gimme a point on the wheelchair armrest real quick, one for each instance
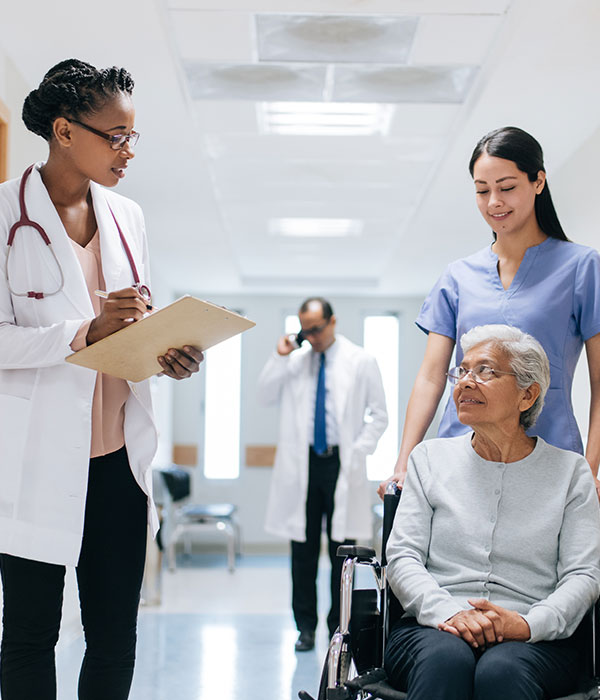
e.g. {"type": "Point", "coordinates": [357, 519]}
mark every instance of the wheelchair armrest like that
{"type": "Point", "coordinates": [353, 550]}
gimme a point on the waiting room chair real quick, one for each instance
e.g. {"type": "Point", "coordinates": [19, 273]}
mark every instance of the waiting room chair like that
{"type": "Point", "coordinates": [183, 519]}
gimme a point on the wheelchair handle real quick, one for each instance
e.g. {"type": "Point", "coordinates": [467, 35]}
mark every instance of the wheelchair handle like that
{"type": "Point", "coordinates": [390, 505]}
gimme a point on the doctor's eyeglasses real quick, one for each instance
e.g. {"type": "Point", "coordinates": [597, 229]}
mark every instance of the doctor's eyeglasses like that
{"type": "Point", "coordinates": [481, 374]}
{"type": "Point", "coordinates": [117, 141]}
{"type": "Point", "coordinates": [315, 330]}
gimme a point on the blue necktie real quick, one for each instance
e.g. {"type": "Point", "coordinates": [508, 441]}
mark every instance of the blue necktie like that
{"type": "Point", "coordinates": [320, 437]}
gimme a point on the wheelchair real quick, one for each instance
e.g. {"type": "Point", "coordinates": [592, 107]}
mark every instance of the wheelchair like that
{"type": "Point", "coordinates": [353, 668]}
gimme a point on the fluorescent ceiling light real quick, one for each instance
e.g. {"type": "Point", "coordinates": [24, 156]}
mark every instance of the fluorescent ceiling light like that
{"type": "Point", "coordinates": [324, 118]}
{"type": "Point", "coordinates": [315, 228]}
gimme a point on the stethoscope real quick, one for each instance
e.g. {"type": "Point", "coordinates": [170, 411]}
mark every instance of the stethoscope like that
{"type": "Point", "coordinates": [24, 220]}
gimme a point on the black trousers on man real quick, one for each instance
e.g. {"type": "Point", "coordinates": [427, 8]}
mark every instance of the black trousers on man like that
{"type": "Point", "coordinates": [322, 479]}
{"type": "Point", "coordinates": [109, 576]}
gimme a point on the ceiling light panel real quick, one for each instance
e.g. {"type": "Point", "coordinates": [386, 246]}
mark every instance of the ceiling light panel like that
{"type": "Point", "coordinates": [323, 118]}
{"type": "Point", "coordinates": [257, 82]}
{"type": "Point", "coordinates": [315, 228]}
{"type": "Point", "coordinates": [335, 38]}
{"type": "Point", "coordinates": [402, 83]}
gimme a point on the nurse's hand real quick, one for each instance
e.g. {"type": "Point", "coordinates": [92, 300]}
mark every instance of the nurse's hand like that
{"type": "Point", "coordinates": [397, 478]}
{"type": "Point", "coordinates": [120, 309]}
{"type": "Point", "coordinates": [181, 364]}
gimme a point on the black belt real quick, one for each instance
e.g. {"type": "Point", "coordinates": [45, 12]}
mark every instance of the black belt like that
{"type": "Point", "coordinates": [332, 451]}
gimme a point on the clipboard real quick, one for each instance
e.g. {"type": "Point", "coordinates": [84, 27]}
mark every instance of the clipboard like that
{"type": "Point", "coordinates": [131, 352]}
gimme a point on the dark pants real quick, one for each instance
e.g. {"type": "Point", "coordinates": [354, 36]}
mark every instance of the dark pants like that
{"type": "Point", "coordinates": [322, 478]}
{"type": "Point", "coordinates": [434, 665]}
{"type": "Point", "coordinates": [109, 576]}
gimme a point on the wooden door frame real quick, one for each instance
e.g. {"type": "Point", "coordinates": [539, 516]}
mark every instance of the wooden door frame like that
{"type": "Point", "coordinates": [4, 126]}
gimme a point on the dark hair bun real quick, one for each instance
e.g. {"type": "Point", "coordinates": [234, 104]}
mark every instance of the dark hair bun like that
{"type": "Point", "coordinates": [72, 88]}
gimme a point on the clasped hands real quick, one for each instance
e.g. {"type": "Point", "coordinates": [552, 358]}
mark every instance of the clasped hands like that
{"type": "Point", "coordinates": [486, 624]}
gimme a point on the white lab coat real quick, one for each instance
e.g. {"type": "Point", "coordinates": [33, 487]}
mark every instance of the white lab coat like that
{"type": "Point", "coordinates": [357, 389]}
{"type": "Point", "coordinates": [45, 402]}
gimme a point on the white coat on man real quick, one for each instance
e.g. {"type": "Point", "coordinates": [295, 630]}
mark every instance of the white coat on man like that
{"type": "Point", "coordinates": [361, 416]}
{"type": "Point", "coordinates": [45, 402]}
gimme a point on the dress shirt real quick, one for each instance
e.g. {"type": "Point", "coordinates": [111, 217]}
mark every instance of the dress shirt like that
{"type": "Point", "coordinates": [524, 535]}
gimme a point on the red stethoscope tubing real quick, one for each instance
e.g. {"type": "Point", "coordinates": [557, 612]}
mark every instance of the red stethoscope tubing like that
{"type": "Point", "coordinates": [24, 220]}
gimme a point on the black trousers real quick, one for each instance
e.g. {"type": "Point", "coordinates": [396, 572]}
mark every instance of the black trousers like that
{"type": "Point", "coordinates": [322, 479]}
{"type": "Point", "coordinates": [109, 577]}
{"type": "Point", "coordinates": [434, 665]}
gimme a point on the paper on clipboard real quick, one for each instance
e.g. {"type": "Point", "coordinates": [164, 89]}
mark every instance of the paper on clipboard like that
{"type": "Point", "coordinates": [131, 352]}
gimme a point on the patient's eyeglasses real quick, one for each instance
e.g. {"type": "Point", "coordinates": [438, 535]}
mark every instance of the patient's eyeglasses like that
{"type": "Point", "coordinates": [481, 374]}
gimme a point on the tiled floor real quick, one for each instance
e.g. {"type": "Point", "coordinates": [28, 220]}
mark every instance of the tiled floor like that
{"type": "Point", "coordinates": [218, 636]}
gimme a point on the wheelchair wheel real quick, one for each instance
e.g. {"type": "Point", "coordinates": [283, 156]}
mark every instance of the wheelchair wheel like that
{"type": "Point", "coordinates": [344, 669]}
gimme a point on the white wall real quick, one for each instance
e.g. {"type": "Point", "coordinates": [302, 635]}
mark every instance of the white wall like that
{"type": "Point", "coordinates": [24, 147]}
{"type": "Point", "coordinates": [259, 424]}
{"type": "Point", "coordinates": [574, 193]}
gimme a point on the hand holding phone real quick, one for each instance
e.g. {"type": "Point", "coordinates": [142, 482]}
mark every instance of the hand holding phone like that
{"type": "Point", "coordinates": [289, 343]}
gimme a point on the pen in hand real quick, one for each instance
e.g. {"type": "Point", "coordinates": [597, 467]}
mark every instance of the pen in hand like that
{"type": "Point", "coordinates": [104, 295]}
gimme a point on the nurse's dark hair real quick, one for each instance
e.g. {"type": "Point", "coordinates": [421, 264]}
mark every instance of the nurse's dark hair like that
{"type": "Point", "coordinates": [512, 143]}
{"type": "Point", "coordinates": [325, 306]}
{"type": "Point", "coordinates": [72, 88]}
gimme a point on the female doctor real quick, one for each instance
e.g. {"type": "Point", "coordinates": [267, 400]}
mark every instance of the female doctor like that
{"type": "Point", "coordinates": [76, 445]}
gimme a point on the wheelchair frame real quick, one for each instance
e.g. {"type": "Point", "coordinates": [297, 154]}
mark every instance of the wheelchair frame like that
{"type": "Point", "coordinates": [353, 665]}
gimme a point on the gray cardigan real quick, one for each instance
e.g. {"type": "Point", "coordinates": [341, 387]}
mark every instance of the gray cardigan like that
{"type": "Point", "coordinates": [525, 535]}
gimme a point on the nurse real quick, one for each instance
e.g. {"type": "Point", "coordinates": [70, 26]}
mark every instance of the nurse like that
{"type": "Point", "coordinates": [531, 277]}
{"type": "Point", "coordinates": [76, 445]}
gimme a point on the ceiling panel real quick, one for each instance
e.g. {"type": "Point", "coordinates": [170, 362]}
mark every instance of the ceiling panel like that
{"type": "Point", "coordinates": [200, 36]}
{"type": "Point", "coordinates": [417, 84]}
{"type": "Point", "coordinates": [408, 67]}
{"type": "Point", "coordinates": [457, 7]}
{"type": "Point", "coordinates": [413, 120]}
{"type": "Point", "coordinates": [341, 149]}
{"type": "Point", "coordinates": [448, 39]}
{"type": "Point", "coordinates": [255, 81]}
{"type": "Point", "coordinates": [335, 38]}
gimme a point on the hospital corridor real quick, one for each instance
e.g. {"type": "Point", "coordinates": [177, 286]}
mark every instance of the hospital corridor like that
{"type": "Point", "coordinates": [299, 350]}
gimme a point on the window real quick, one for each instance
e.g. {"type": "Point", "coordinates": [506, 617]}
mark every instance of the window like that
{"type": "Point", "coordinates": [222, 410]}
{"type": "Point", "coordinates": [381, 339]}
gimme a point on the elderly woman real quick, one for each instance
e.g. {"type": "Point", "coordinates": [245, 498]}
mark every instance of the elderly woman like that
{"type": "Point", "coordinates": [495, 549]}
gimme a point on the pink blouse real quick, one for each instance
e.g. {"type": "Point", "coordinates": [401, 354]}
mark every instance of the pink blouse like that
{"type": "Point", "coordinates": [110, 393]}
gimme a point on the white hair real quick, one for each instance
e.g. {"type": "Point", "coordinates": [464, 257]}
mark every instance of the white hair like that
{"type": "Point", "coordinates": [526, 356]}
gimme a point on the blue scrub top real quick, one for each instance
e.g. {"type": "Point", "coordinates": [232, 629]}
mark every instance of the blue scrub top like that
{"type": "Point", "coordinates": [555, 297]}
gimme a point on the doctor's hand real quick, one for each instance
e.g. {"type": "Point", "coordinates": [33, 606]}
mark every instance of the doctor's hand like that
{"type": "Point", "coordinates": [181, 364]}
{"type": "Point", "coordinates": [285, 345]}
{"type": "Point", "coordinates": [120, 309]}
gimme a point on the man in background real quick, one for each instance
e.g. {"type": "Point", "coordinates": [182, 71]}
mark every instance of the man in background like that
{"type": "Point", "coordinates": [332, 413]}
